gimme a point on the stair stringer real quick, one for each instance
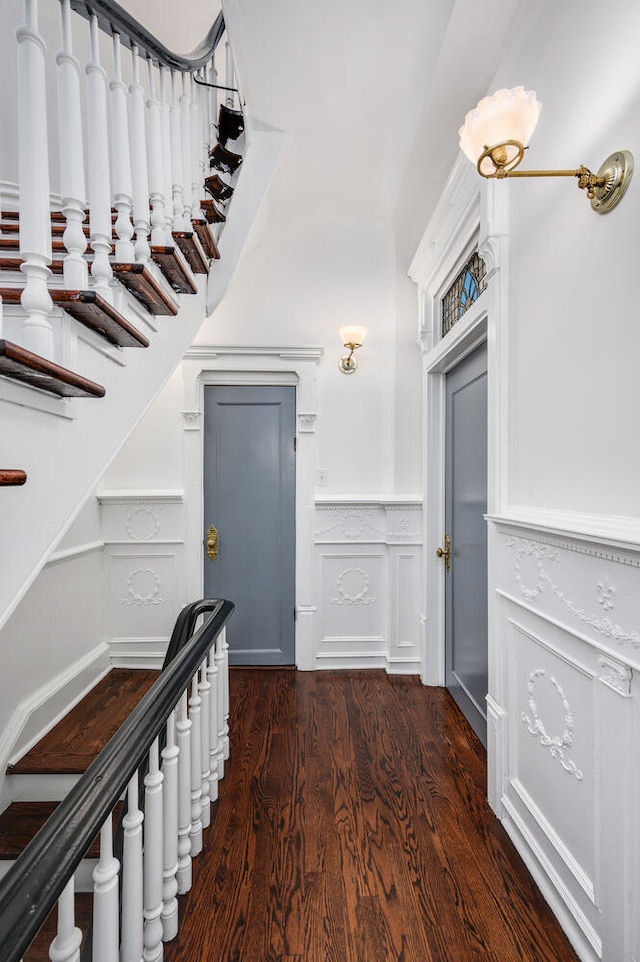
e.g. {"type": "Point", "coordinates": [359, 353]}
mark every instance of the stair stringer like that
{"type": "Point", "coordinates": [66, 457]}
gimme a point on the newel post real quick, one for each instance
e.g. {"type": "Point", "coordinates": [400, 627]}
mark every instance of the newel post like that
{"type": "Point", "coordinates": [33, 173]}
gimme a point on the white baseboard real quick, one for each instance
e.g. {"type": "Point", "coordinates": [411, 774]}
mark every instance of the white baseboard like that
{"type": "Point", "coordinates": [137, 652]}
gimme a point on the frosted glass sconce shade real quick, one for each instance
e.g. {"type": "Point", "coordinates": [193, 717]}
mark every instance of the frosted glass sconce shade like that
{"type": "Point", "coordinates": [352, 336]}
{"type": "Point", "coordinates": [506, 119]}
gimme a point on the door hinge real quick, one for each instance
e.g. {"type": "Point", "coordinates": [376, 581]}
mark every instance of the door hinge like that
{"type": "Point", "coordinates": [295, 613]}
{"type": "Point", "coordinates": [295, 445]}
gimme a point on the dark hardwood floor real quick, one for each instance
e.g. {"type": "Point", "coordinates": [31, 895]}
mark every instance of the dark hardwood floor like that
{"type": "Point", "coordinates": [353, 826]}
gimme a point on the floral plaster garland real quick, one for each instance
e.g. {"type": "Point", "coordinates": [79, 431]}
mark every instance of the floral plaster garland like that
{"type": "Point", "coordinates": [606, 592]}
{"type": "Point", "coordinates": [560, 744]}
{"type": "Point", "coordinates": [360, 597]}
{"type": "Point", "coordinates": [136, 598]}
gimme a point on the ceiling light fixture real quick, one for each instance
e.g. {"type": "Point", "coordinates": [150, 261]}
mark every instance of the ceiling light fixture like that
{"type": "Point", "coordinates": [495, 136]}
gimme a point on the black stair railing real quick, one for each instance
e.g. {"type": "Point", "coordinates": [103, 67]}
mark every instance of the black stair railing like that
{"type": "Point", "coordinates": [33, 884]}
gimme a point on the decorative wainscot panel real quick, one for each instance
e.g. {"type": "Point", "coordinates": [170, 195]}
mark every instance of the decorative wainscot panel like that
{"type": "Point", "coordinates": [566, 725]}
{"type": "Point", "coordinates": [144, 547]}
{"type": "Point", "coordinates": [368, 558]}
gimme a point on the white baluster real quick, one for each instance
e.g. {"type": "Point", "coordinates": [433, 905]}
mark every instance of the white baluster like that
{"type": "Point", "coordinates": [105, 899]}
{"type": "Point", "coordinates": [185, 136]}
{"type": "Point", "coordinates": [204, 688]}
{"type": "Point", "coordinates": [139, 174]}
{"type": "Point", "coordinates": [229, 100]}
{"type": "Point", "coordinates": [212, 673]}
{"type": "Point", "coordinates": [219, 659]}
{"type": "Point", "coordinates": [132, 941]}
{"type": "Point", "coordinates": [66, 945]}
{"type": "Point", "coordinates": [176, 159]}
{"type": "Point", "coordinates": [225, 694]}
{"type": "Point", "coordinates": [155, 163]}
{"type": "Point", "coordinates": [33, 173]}
{"type": "Point", "coordinates": [198, 161]}
{"type": "Point", "coordinates": [170, 755]}
{"type": "Point", "coordinates": [183, 738]}
{"type": "Point", "coordinates": [153, 858]}
{"type": "Point", "coordinates": [196, 775]}
{"type": "Point", "coordinates": [213, 103]}
{"type": "Point", "coordinates": [121, 159]}
{"type": "Point", "coordinates": [165, 126]}
{"type": "Point", "coordinates": [98, 167]}
{"type": "Point", "coordinates": [72, 186]}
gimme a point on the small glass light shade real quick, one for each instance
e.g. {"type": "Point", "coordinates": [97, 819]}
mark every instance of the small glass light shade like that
{"type": "Point", "coordinates": [508, 115]}
{"type": "Point", "coordinates": [352, 334]}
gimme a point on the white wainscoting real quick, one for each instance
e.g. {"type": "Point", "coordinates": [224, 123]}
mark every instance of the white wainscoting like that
{"type": "Point", "coordinates": [565, 722]}
{"type": "Point", "coordinates": [368, 563]}
{"type": "Point", "coordinates": [144, 568]}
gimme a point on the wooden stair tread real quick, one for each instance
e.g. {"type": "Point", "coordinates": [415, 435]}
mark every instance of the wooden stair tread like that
{"type": "Point", "coordinates": [191, 247]}
{"type": "Point", "coordinates": [38, 951]}
{"type": "Point", "coordinates": [224, 160]}
{"type": "Point", "coordinates": [218, 188]}
{"type": "Point", "coordinates": [207, 240]}
{"type": "Point", "coordinates": [11, 242]}
{"type": "Point", "coordinates": [12, 476]}
{"type": "Point", "coordinates": [92, 310]}
{"type": "Point", "coordinates": [10, 263]}
{"type": "Point", "coordinates": [21, 365]}
{"type": "Point", "coordinates": [139, 280]}
{"type": "Point", "coordinates": [211, 211]}
{"type": "Point", "coordinates": [175, 268]}
{"type": "Point", "coordinates": [21, 821]}
{"type": "Point", "coordinates": [230, 123]}
{"type": "Point", "coordinates": [74, 742]}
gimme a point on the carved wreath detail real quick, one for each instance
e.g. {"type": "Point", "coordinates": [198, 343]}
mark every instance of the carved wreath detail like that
{"type": "Point", "coordinates": [137, 583]}
{"type": "Point", "coordinates": [558, 745]}
{"type": "Point", "coordinates": [353, 590]}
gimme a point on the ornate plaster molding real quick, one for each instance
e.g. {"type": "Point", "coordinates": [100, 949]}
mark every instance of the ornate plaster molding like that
{"type": "Point", "coordinates": [558, 745]}
{"type": "Point", "coordinates": [615, 675]}
{"type": "Point", "coordinates": [352, 586]}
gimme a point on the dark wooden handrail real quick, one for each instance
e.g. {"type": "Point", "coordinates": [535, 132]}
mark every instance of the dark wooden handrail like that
{"type": "Point", "coordinates": [112, 18]}
{"type": "Point", "coordinates": [34, 882]}
{"type": "Point", "coordinates": [12, 476]}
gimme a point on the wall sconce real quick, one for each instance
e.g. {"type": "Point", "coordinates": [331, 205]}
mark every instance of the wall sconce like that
{"type": "Point", "coordinates": [495, 136]}
{"type": "Point", "coordinates": [352, 337]}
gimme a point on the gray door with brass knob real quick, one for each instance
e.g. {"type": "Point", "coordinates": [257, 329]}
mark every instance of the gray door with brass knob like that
{"type": "Point", "coordinates": [249, 518]}
{"type": "Point", "coordinates": [464, 546]}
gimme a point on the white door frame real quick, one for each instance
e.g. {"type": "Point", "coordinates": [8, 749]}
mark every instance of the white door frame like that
{"type": "Point", "coordinates": [205, 365]}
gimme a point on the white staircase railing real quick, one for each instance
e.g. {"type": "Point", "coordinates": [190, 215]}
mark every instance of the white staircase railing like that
{"type": "Point", "coordinates": [136, 884]}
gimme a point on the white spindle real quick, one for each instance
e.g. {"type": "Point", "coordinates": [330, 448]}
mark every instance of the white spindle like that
{"type": "Point", "coordinates": [213, 103]}
{"type": "Point", "coordinates": [204, 688]}
{"type": "Point", "coordinates": [66, 945]}
{"type": "Point", "coordinates": [121, 159]}
{"type": "Point", "coordinates": [185, 136]}
{"type": "Point", "coordinates": [176, 159]}
{"type": "Point", "coordinates": [225, 694]}
{"type": "Point", "coordinates": [212, 672]}
{"type": "Point", "coordinates": [33, 173]}
{"type": "Point", "coordinates": [229, 100]}
{"type": "Point", "coordinates": [153, 858]}
{"type": "Point", "coordinates": [98, 166]}
{"type": "Point", "coordinates": [219, 659]}
{"type": "Point", "coordinates": [198, 161]}
{"type": "Point", "coordinates": [183, 738]}
{"type": "Point", "coordinates": [155, 162]}
{"type": "Point", "coordinates": [132, 939]}
{"type": "Point", "coordinates": [165, 125]}
{"type": "Point", "coordinates": [140, 179]}
{"type": "Point", "coordinates": [196, 774]}
{"type": "Point", "coordinates": [71, 151]}
{"type": "Point", "coordinates": [105, 900]}
{"type": "Point", "coordinates": [170, 829]}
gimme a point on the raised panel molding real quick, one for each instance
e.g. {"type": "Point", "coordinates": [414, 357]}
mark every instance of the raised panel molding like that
{"type": "Point", "coordinates": [368, 557]}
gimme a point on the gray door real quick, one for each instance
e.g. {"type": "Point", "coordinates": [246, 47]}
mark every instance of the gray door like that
{"type": "Point", "coordinates": [249, 497]}
{"type": "Point", "coordinates": [466, 505]}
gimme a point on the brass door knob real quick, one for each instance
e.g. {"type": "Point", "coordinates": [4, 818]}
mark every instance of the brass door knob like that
{"type": "Point", "coordinates": [445, 552]}
{"type": "Point", "coordinates": [211, 543]}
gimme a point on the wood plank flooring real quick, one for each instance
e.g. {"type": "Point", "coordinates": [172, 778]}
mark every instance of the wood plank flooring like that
{"type": "Point", "coordinates": [353, 826]}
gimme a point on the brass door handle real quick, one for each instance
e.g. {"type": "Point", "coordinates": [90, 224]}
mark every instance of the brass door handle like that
{"type": "Point", "coordinates": [211, 543]}
{"type": "Point", "coordinates": [445, 552]}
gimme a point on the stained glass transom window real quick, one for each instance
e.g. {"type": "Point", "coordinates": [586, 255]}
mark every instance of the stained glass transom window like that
{"type": "Point", "coordinates": [466, 288]}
